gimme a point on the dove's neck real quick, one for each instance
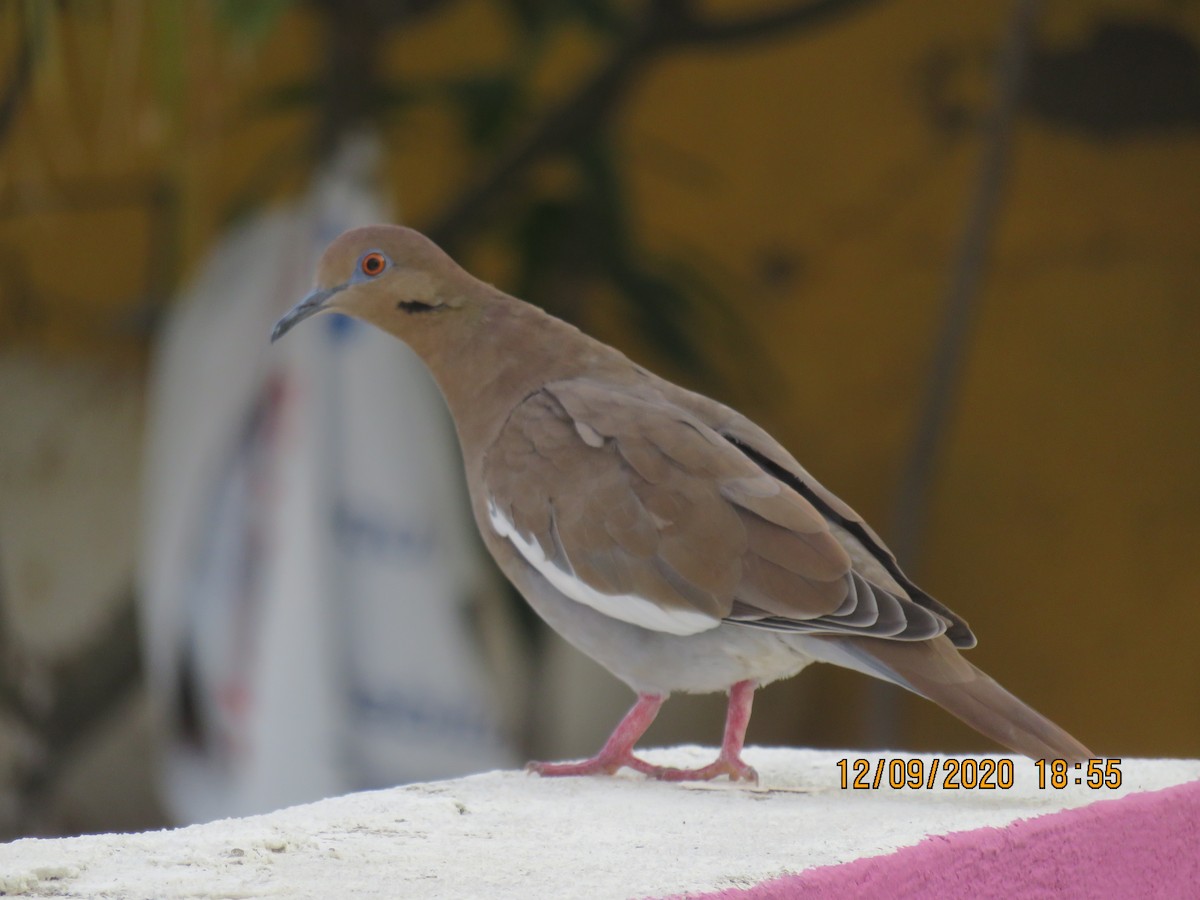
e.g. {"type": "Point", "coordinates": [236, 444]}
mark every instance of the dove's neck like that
{"type": "Point", "coordinates": [498, 352]}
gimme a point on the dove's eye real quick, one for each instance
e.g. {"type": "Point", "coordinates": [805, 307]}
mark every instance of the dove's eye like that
{"type": "Point", "coordinates": [372, 264]}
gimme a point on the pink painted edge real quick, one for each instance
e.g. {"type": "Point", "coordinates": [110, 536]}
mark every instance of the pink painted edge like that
{"type": "Point", "coordinates": [1140, 845]}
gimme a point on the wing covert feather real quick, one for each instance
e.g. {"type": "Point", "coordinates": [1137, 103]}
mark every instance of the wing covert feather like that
{"type": "Point", "coordinates": [633, 505]}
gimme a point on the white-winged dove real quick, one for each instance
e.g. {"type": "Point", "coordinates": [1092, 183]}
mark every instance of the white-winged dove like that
{"type": "Point", "coordinates": [661, 533]}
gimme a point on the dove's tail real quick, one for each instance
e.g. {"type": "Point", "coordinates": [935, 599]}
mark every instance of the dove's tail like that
{"type": "Point", "coordinates": [937, 671]}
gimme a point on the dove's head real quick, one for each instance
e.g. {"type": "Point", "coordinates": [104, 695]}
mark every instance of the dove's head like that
{"type": "Point", "coordinates": [391, 276]}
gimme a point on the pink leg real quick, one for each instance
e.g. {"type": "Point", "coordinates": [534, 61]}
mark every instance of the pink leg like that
{"type": "Point", "coordinates": [617, 750]}
{"type": "Point", "coordinates": [741, 697]}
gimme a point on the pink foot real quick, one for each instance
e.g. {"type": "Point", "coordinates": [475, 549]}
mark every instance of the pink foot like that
{"type": "Point", "coordinates": [730, 762]}
{"type": "Point", "coordinates": [741, 697]}
{"type": "Point", "coordinates": [618, 750]}
{"type": "Point", "coordinates": [734, 767]}
{"type": "Point", "coordinates": [597, 765]}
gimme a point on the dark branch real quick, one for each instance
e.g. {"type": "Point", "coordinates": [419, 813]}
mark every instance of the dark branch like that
{"type": "Point", "coordinates": [961, 297]}
{"type": "Point", "coordinates": [666, 25]}
{"type": "Point", "coordinates": [776, 23]}
{"type": "Point", "coordinates": [61, 702]}
{"type": "Point", "coordinates": [354, 32]}
{"type": "Point", "coordinates": [384, 13]}
{"type": "Point", "coordinates": [959, 305]}
{"type": "Point", "coordinates": [582, 113]}
{"type": "Point", "coordinates": [17, 87]}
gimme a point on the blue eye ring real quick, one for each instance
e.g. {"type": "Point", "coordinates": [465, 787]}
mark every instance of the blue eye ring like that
{"type": "Point", "coordinates": [372, 264]}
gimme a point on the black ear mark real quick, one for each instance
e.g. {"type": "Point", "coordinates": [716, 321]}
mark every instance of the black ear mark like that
{"type": "Point", "coordinates": [415, 306]}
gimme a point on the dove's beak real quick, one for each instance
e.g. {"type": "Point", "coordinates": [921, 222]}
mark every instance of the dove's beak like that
{"type": "Point", "coordinates": [310, 305]}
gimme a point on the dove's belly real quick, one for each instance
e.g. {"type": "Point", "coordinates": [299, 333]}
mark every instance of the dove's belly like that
{"type": "Point", "coordinates": [660, 663]}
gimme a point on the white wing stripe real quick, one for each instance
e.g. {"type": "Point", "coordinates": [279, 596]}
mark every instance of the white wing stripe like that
{"type": "Point", "coordinates": [626, 607]}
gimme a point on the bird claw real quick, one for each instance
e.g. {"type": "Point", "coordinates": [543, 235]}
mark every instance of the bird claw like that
{"type": "Point", "coordinates": [597, 765]}
{"type": "Point", "coordinates": [734, 767]}
{"type": "Point", "coordinates": [617, 752]}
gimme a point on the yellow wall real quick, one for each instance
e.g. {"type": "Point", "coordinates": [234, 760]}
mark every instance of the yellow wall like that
{"type": "Point", "coordinates": [805, 179]}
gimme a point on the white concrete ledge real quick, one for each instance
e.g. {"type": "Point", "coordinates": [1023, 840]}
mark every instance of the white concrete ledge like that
{"type": "Point", "coordinates": [507, 834]}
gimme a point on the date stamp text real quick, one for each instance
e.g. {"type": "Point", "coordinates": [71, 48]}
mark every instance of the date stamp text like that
{"type": "Point", "coordinates": [969, 774]}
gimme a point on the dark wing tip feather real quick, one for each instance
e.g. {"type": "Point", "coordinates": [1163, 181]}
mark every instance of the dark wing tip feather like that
{"type": "Point", "coordinates": [957, 629]}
